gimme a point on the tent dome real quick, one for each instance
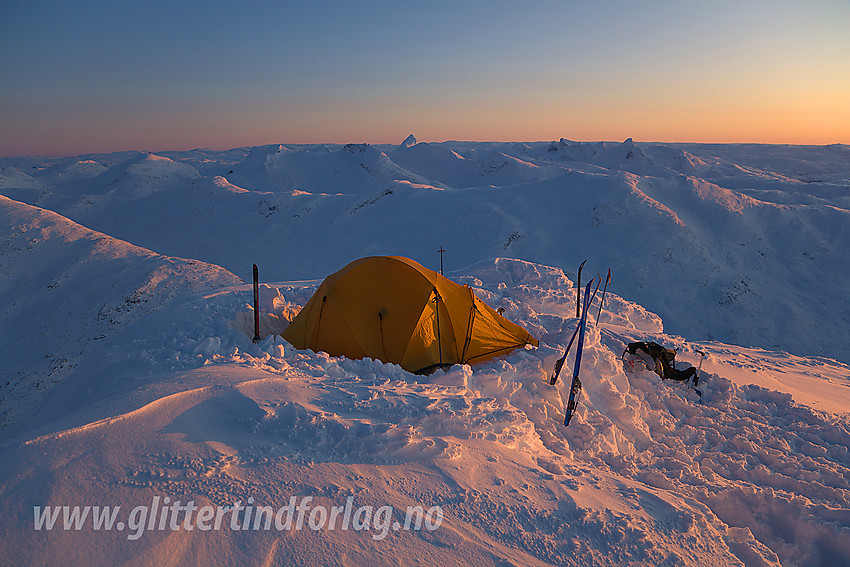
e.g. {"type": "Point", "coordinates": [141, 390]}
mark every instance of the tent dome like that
{"type": "Point", "coordinates": [395, 310]}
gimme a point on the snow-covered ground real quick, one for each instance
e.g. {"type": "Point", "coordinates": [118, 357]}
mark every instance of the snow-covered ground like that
{"type": "Point", "coordinates": [129, 375]}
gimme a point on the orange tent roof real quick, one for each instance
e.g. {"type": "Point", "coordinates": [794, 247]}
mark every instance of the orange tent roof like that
{"type": "Point", "coordinates": [393, 309]}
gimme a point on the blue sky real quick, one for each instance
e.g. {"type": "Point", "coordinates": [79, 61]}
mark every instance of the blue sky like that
{"type": "Point", "coordinates": [104, 76]}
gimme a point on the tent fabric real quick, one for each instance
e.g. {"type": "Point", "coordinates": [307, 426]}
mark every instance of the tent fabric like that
{"type": "Point", "coordinates": [393, 309]}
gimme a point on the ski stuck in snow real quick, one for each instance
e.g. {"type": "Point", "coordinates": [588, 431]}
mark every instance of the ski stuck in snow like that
{"type": "Point", "coordinates": [575, 388]}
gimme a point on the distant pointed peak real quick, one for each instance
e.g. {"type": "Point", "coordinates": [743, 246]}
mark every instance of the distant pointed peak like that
{"type": "Point", "coordinates": [409, 141]}
{"type": "Point", "coordinates": [632, 149]}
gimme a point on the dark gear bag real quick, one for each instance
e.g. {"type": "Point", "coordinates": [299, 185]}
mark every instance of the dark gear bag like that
{"type": "Point", "coordinates": [664, 360]}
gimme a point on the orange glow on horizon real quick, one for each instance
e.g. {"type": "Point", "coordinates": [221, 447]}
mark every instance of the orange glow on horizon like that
{"type": "Point", "coordinates": [818, 121]}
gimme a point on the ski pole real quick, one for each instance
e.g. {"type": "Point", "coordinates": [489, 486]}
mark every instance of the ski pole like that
{"type": "Point", "coordinates": [256, 305]}
{"type": "Point", "coordinates": [601, 301]}
{"type": "Point", "coordinates": [560, 361]}
{"type": "Point", "coordinates": [702, 357]}
{"type": "Point", "coordinates": [578, 291]}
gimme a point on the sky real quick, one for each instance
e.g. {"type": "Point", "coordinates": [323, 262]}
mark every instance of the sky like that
{"type": "Point", "coordinates": [100, 76]}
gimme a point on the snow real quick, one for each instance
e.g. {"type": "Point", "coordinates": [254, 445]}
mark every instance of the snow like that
{"type": "Point", "coordinates": [129, 372]}
{"type": "Point", "coordinates": [762, 251]}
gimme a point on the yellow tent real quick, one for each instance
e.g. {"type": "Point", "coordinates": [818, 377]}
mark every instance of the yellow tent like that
{"type": "Point", "coordinates": [392, 309]}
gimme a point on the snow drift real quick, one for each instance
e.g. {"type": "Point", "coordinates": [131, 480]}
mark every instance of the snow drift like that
{"type": "Point", "coordinates": [130, 375]}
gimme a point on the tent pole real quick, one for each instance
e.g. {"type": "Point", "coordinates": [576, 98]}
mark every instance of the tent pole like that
{"type": "Point", "coordinates": [439, 338]}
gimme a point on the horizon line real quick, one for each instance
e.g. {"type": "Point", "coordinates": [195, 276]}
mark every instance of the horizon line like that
{"type": "Point", "coordinates": [400, 144]}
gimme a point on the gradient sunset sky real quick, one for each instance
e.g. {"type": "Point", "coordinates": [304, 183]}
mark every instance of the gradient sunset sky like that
{"type": "Point", "coordinates": [81, 77]}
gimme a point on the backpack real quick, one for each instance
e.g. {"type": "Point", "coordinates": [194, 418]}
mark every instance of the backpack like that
{"type": "Point", "coordinates": [655, 357]}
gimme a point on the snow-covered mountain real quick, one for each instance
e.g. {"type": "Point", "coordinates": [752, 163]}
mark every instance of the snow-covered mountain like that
{"type": "Point", "coordinates": [129, 374]}
{"type": "Point", "coordinates": [65, 289]}
{"type": "Point", "coordinates": [734, 252]}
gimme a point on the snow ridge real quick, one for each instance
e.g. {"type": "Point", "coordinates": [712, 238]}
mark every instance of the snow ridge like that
{"type": "Point", "coordinates": [130, 374]}
{"type": "Point", "coordinates": [65, 287]}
